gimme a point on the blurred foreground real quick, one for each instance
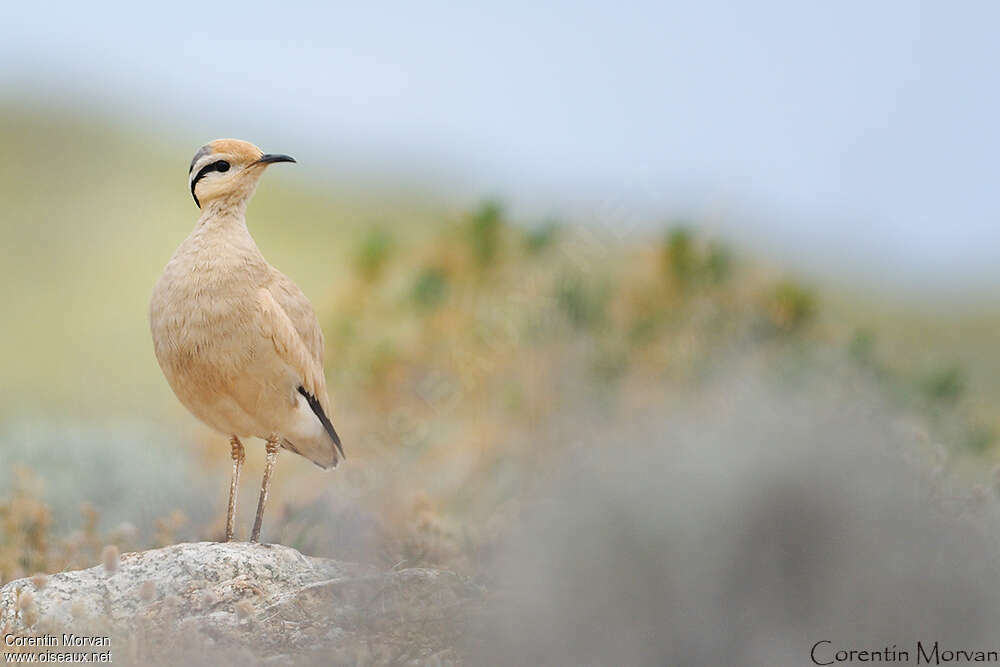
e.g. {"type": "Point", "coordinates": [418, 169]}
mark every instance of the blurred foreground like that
{"type": "Point", "coordinates": [742, 526]}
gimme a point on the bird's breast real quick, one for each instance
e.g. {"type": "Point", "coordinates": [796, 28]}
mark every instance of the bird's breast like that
{"type": "Point", "coordinates": [202, 314]}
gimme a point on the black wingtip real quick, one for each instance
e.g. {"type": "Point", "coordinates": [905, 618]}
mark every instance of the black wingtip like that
{"type": "Point", "coordinates": [318, 410]}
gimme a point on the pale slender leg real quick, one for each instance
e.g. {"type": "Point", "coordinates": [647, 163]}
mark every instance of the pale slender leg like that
{"type": "Point", "coordinates": [272, 455]}
{"type": "Point", "coordinates": [238, 456]}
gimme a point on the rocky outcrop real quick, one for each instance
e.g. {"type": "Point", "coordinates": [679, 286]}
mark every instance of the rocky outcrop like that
{"type": "Point", "coordinates": [237, 603]}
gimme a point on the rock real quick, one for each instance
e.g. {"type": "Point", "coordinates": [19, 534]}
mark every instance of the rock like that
{"type": "Point", "coordinates": [235, 602]}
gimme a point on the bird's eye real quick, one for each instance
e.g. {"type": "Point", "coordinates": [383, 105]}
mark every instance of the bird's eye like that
{"type": "Point", "coordinates": [222, 165]}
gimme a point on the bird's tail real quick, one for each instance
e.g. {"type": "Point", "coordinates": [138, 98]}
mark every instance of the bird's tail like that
{"type": "Point", "coordinates": [327, 424]}
{"type": "Point", "coordinates": [312, 435]}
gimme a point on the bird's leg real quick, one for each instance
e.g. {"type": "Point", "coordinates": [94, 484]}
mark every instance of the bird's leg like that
{"type": "Point", "coordinates": [238, 456]}
{"type": "Point", "coordinates": [272, 455]}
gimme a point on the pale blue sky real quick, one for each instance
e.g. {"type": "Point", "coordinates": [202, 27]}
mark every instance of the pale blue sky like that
{"type": "Point", "coordinates": [852, 134]}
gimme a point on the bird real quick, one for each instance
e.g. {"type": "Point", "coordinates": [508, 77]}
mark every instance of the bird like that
{"type": "Point", "coordinates": [238, 341]}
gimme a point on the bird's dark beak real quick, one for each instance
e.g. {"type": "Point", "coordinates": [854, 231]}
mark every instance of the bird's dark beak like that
{"type": "Point", "coordinates": [269, 158]}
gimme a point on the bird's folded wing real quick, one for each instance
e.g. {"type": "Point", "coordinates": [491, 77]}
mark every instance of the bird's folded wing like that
{"type": "Point", "coordinates": [295, 304]}
{"type": "Point", "coordinates": [288, 343]}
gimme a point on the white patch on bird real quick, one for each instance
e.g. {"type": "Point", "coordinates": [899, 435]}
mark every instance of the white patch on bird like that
{"type": "Point", "coordinates": [308, 436]}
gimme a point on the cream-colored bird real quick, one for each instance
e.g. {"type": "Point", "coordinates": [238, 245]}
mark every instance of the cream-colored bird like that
{"type": "Point", "coordinates": [237, 340]}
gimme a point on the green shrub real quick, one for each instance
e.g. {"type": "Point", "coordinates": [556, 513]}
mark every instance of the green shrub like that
{"type": "Point", "coordinates": [719, 263]}
{"type": "Point", "coordinates": [538, 238]}
{"type": "Point", "coordinates": [373, 254]}
{"type": "Point", "coordinates": [430, 287]}
{"type": "Point", "coordinates": [583, 304]}
{"type": "Point", "coordinates": [689, 263]}
{"type": "Point", "coordinates": [485, 228]}
{"type": "Point", "coordinates": [679, 256]}
{"type": "Point", "coordinates": [944, 384]}
{"type": "Point", "coordinates": [791, 306]}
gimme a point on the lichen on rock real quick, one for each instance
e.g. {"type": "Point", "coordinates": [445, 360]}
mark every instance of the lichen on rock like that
{"type": "Point", "coordinates": [233, 602]}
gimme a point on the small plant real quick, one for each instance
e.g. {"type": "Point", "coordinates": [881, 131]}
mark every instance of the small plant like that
{"type": "Point", "coordinates": [373, 254]}
{"type": "Point", "coordinates": [791, 306]}
{"type": "Point", "coordinates": [430, 287]}
{"type": "Point", "coordinates": [719, 263]}
{"type": "Point", "coordinates": [679, 256]}
{"type": "Point", "coordinates": [583, 304]}
{"type": "Point", "coordinates": [537, 239]}
{"type": "Point", "coordinates": [26, 522]}
{"type": "Point", "coordinates": [167, 527]}
{"type": "Point", "coordinates": [689, 263]}
{"type": "Point", "coordinates": [944, 384]}
{"type": "Point", "coordinates": [29, 545]}
{"type": "Point", "coordinates": [110, 558]}
{"type": "Point", "coordinates": [485, 226]}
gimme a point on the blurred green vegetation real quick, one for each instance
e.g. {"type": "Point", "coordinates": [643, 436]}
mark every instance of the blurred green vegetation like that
{"type": "Point", "coordinates": [451, 336]}
{"type": "Point", "coordinates": [540, 237]}
{"type": "Point", "coordinates": [485, 227]}
{"type": "Point", "coordinates": [584, 304]}
{"type": "Point", "coordinates": [944, 384]}
{"type": "Point", "coordinates": [430, 287]}
{"type": "Point", "coordinates": [376, 248]}
{"type": "Point", "coordinates": [689, 261]}
{"type": "Point", "coordinates": [792, 305]}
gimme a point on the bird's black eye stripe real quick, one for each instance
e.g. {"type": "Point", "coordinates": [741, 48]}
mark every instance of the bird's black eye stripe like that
{"type": "Point", "coordinates": [219, 165]}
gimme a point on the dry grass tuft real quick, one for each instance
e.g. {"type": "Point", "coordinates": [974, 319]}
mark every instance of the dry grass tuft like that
{"type": "Point", "coordinates": [110, 558]}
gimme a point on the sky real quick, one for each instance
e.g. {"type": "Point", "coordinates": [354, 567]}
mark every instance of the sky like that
{"type": "Point", "coordinates": [852, 134]}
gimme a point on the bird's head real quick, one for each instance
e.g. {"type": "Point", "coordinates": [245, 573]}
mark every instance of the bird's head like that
{"type": "Point", "coordinates": [227, 170]}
